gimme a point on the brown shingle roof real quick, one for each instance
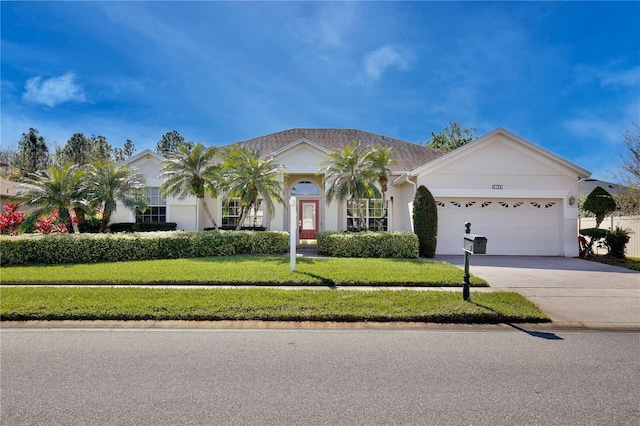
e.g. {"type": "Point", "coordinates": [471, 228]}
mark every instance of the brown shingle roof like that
{"type": "Point", "coordinates": [408, 157]}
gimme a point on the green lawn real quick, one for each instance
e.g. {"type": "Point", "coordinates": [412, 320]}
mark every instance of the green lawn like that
{"type": "Point", "coordinates": [254, 270]}
{"type": "Point", "coordinates": [102, 303]}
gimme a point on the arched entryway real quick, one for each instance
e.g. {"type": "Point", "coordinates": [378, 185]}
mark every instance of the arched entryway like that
{"type": "Point", "coordinates": [308, 199]}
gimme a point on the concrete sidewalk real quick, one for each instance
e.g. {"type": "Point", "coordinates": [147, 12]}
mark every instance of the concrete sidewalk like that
{"type": "Point", "coordinates": [573, 292]}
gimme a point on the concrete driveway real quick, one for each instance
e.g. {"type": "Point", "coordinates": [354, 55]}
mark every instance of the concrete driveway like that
{"type": "Point", "coordinates": [573, 292]}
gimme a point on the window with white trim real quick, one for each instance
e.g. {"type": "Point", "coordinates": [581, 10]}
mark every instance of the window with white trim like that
{"type": "Point", "coordinates": [231, 211]}
{"type": "Point", "coordinates": [156, 210]}
{"type": "Point", "coordinates": [375, 218]}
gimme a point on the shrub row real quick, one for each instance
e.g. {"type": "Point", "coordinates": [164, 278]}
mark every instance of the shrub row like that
{"type": "Point", "coordinates": [89, 248]}
{"type": "Point", "coordinates": [143, 226]}
{"type": "Point", "coordinates": [368, 244]}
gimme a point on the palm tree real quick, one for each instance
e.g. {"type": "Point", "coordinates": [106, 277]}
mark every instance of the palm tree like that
{"type": "Point", "coordinates": [381, 158]}
{"type": "Point", "coordinates": [247, 177]}
{"type": "Point", "coordinates": [191, 171]}
{"type": "Point", "coordinates": [349, 174]}
{"type": "Point", "coordinates": [110, 183]}
{"type": "Point", "coordinates": [58, 188]}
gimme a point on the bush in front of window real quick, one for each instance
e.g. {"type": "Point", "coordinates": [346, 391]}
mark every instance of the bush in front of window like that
{"type": "Point", "coordinates": [143, 226]}
{"type": "Point", "coordinates": [403, 245]}
{"type": "Point", "coordinates": [115, 247]}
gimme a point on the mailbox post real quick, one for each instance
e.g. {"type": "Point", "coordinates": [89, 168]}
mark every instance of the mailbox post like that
{"type": "Point", "coordinates": [472, 244]}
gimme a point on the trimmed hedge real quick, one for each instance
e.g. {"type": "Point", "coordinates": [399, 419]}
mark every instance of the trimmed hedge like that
{"type": "Point", "coordinates": [143, 226]}
{"type": "Point", "coordinates": [90, 248]}
{"type": "Point", "coordinates": [368, 244]}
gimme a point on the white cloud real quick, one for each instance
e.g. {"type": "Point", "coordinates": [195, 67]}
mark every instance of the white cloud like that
{"type": "Point", "coordinates": [624, 78]}
{"type": "Point", "coordinates": [608, 77]}
{"type": "Point", "coordinates": [328, 25]}
{"type": "Point", "coordinates": [380, 60]}
{"type": "Point", "coordinates": [53, 91]}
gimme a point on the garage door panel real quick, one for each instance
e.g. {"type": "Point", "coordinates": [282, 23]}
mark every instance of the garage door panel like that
{"type": "Point", "coordinates": [523, 227]}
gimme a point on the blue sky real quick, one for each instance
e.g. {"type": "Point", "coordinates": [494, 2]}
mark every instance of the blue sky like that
{"type": "Point", "coordinates": [565, 75]}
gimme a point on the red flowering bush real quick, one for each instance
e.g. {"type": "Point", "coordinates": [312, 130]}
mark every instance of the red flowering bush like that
{"type": "Point", "coordinates": [49, 224]}
{"type": "Point", "coordinates": [10, 219]}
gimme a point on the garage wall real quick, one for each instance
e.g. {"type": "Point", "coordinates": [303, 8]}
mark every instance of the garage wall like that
{"type": "Point", "coordinates": [520, 196]}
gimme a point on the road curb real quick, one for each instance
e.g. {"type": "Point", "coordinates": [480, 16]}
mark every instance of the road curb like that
{"type": "Point", "coordinates": [313, 325]}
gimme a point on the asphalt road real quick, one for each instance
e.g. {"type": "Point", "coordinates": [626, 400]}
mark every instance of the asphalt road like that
{"type": "Point", "coordinates": [311, 377]}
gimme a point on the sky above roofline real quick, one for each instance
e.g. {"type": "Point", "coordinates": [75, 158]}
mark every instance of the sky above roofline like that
{"type": "Point", "coordinates": [564, 75]}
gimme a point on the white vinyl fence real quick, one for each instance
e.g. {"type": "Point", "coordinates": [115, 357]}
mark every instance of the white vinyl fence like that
{"type": "Point", "coordinates": [631, 223]}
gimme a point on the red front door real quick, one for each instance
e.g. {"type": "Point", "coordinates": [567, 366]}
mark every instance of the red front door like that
{"type": "Point", "coordinates": [308, 219]}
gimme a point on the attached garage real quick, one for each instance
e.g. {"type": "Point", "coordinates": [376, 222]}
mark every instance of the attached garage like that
{"type": "Point", "coordinates": [512, 226]}
{"type": "Point", "coordinates": [520, 196]}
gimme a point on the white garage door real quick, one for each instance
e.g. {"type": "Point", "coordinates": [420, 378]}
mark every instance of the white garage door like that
{"type": "Point", "coordinates": [512, 226]}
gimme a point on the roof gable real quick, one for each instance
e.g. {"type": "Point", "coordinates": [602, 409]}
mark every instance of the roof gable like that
{"type": "Point", "coordinates": [146, 154]}
{"type": "Point", "coordinates": [503, 152]}
{"type": "Point", "coordinates": [301, 157]}
{"type": "Point", "coordinates": [148, 163]}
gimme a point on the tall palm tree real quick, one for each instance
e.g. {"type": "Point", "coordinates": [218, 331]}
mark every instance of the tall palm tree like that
{"type": "Point", "coordinates": [381, 158]}
{"type": "Point", "coordinates": [109, 183]}
{"type": "Point", "coordinates": [350, 175]}
{"type": "Point", "coordinates": [56, 188]}
{"type": "Point", "coordinates": [248, 177]}
{"type": "Point", "coordinates": [191, 171]}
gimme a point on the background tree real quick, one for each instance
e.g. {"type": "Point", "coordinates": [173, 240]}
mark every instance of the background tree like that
{"type": "Point", "coordinates": [191, 171]}
{"type": "Point", "coordinates": [247, 177]}
{"type": "Point", "coordinates": [109, 184]}
{"type": "Point", "coordinates": [425, 221]}
{"type": "Point", "coordinates": [58, 188]}
{"type": "Point", "coordinates": [6, 158]}
{"type": "Point", "coordinates": [81, 150]}
{"type": "Point", "coordinates": [454, 136]}
{"type": "Point", "coordinates": [127, 150]}
{"type": "Point", "coordinates": [101, 149]}
{"type": "Point", "coordinates": [76, 151]}
{"type": "Point", "coordinates": [350, 175]}
{"type": "Point", "coordinates": [170, 142]}
{"type": "Point", "coordinates": [32, 154]}
{"type": "Point", "coordinates": [629, 170]}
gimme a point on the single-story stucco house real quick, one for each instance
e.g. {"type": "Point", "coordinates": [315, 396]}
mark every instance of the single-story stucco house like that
{"type": "Point", "coordinates": [522, 197]}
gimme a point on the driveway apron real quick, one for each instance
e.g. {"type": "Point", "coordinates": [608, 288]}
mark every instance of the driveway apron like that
{"type": "Point", "coordinates": [571, 291]}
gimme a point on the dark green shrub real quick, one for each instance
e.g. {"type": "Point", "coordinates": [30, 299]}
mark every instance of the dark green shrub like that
{"type": "Point", "coordinates": [425, 221]}
{"type": "Point", "coordinates": [87, 248]}
{"type": "Point", "coordinates": [154, 226]}
{"type": "Point", "coordinates": [233, 228]}
{"type": "Point", "coordinates": [368, 244]}
{"type": "Point", "coordinates": [617, 242]}
{"type": "Point", "coordinates": [595, 233]}
{"type": "Point", "coordinates": [121, 227]}
{"type": "Point", "coordinates": [600, 203]}
{"type": "Point", "coordinates": [143, 226]}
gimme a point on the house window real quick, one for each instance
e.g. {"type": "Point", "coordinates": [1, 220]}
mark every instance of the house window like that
{"type": "Point", "coordinates": [156, 207]}
{"type": "Point", "coordinates": [231, 211]}
{"type": "Point", "coordinates": [305, 188]}
{"type": "Point", "coordinates": [375, 216]}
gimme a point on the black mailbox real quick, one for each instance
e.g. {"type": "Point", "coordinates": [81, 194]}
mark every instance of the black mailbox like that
{"type": "Point", "coordinates": [475, 244]}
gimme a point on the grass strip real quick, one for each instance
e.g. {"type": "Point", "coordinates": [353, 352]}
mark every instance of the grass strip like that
{"type": "Point", "coordinates": [251, 270]}
{"type": "Point", "coordinates": [103, 303]}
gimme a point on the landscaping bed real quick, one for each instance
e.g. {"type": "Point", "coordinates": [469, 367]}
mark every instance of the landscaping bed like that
{"type": "Point", "coordinates": [625, 262]}
{"type": "Point", "coordinates": [99, 303]}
